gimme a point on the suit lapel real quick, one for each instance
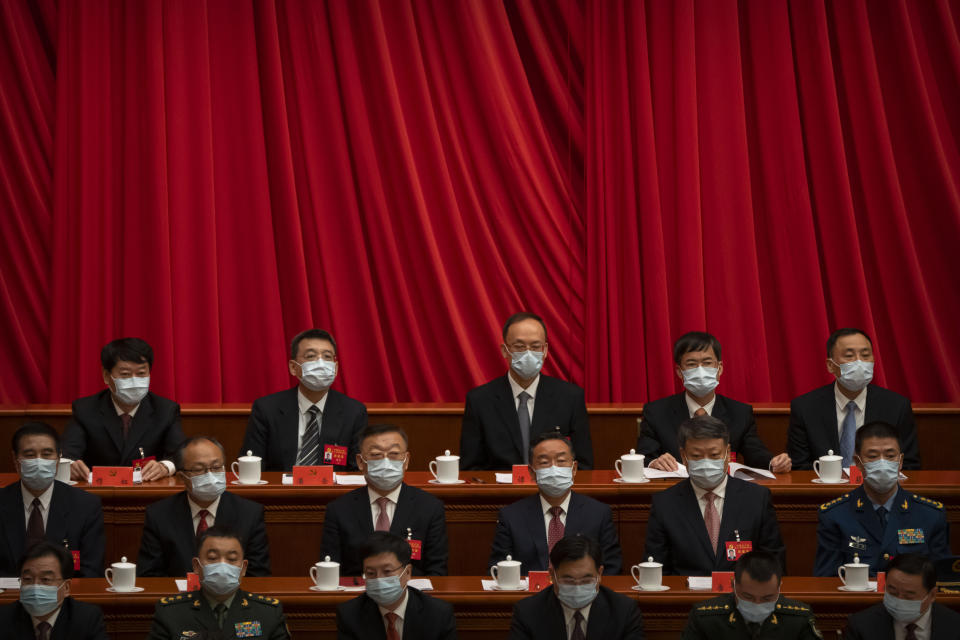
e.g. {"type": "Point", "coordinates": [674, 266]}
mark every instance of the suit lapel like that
{"type": "Point", "coordinates": [542, 416]}
{"type": "Point", "coordinates": [138, 429]}
{"type": "Point", "coordinates": [371, 622]}
{"type": "Point", "coordinates": [732, 506]}
{"type": "Point", "coordinates": [23, 625]}
{"type": "Point", "coordinates": [864, 513]}
{"type": "Point", "coordinates": [111, 421]}
{"type": "Point", "coordinates": [15, 527]}
{"type": "Point", "coordinates": [59, 514]}
{"type": "Point", "coordinates": [828, 418]}
{"type": "Point", "coordinates": [61, 630]}
{"type": "Point", "coordinates": [183, 521]}
{"type": "Point", "coordinates": [538, 528]}
{"type": "Point", "coordinates": [874, 409]}
{"type": "Point", "coordinates": [362, 513]}
{"type": "Point", "coordinates": [332, 421]}
{"type": "Point", "coordinates": [401, 515]}
{"type": "Point", "coordinates": [288, 428]}
{"type": "Point", "coordinates": [897, 518]}
{"type": "Point", "coordinates": [413, 618]}
{"type": "Point", "coordinates": [690, 509]}
{"type": "Point", "coordinates": [507, 409]}
{"type": "Point", "coordinates": [554, 623]}
{"type": "Point", "coordinates": [599, 614]}
{"type": "Point", "coordinates": [203, 614]}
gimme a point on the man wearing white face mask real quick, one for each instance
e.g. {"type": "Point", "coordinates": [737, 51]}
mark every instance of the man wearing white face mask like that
{"type": "Point", "coordinates": [311, 423]}
{"type": "Point", "coordinates": [528, 529]}
{"type": "Point", "coordinates": [909, 610]}
{"type": "Point", "coordinates": [220, 609]}
{"type": "Point", "coordinates": [173, 525]}
{"type": "Point", "coordinates": [385, 504]}
{"type": "Point", "coordinates": [703, 524]}
{"type": "Point", "coordinates": [879, 519]}
{"type": "Point", "coordinates": [502, 417]}
{"type": "Point", "coordinates": [827, 419]}
{"type": "Point", "coordinates": [126, 421]}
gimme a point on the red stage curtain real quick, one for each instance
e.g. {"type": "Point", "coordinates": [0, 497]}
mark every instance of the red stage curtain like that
{"type": "Point", "coordinates": [215, 176]}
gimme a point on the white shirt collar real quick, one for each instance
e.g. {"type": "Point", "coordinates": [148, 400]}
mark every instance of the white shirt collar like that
{"type": "Point", "coordinates": [401, 609]}
{"type": "Point", "coordinates": [842, 400]}
{"type": "Point", "coordinates": [195, 508]}
{"type": "Point", "coordinates": [692, 404]}
{"type": "Point", "coordinates": [393, 496]}
{"type": "Point", "coordinates": [52, 620]}
{"type": "Point", "coordinates": [568, 616]}
{"type": "Point", "coordinates": [120, 411]}
{"type": "Point", "coordinates": [720, 490]}
{"type": "Point", "coordinates": [516, 388]}
{"type": "Point", "coordinates": [304, 403]}
{"type": "Point", "coordinates": [45, 497]}
{"type": "Point", "coordinates": [565, 505]}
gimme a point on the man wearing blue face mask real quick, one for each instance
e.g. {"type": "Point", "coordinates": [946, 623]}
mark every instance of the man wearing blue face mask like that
{"type": "Point", "coordinates": [577, 607]}
{"type": "Point", "coordinates": [502, 417]}
{"type": "Point", "coordinates": [879, 519]}
{"type": "Point", "coordinates": [390, 609]}
{"type": "Point", "coordinates": [528, 529]}
{"type": "Point", "coordinates": [220, 609]}
{"type": "Point", "coordinates": [703, 524]}
{"type": "Point", "coordinates": [827, 419]}
{"type": "Point", "coordinates": [755, 609]}
{"type": "Point", "coordinates": [173, 524]}
{"type": "Point", "coordinates": [909, 610]}
{"type": "Point", "coordinates": [385, 504]}
{"type": "Point", "coordinates": [45, 610]}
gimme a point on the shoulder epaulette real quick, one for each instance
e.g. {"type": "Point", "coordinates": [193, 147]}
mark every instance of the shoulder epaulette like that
{"type": "Point", "coordinates": [835, 502]}
{"type": "Point", "coordinates": [786, 607]}
{"type": "Point", "coordinates": [928, 502]}
{"type": "Point", "coordinates": [713, 609]}
{"type": "Point", "coordinates": [179, 598]}
{"type": "Point", "coordinates": [264, 599]}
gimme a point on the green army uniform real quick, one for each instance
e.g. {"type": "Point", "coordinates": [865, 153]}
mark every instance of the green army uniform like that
{"type": "Point", "coordinates": [718, 619]}
{"type": "Point", "coordinates": [188, 616]}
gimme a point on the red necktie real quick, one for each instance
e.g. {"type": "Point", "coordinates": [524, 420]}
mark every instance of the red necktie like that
{"type": "Point", "coordinates": [383, 520]}
{"type": "Point", "coordinates": [555, 531]}
{"type": "Point", "coordinates": [578, 632]}
{"type": "Point", "coordinates": [712, 519]}
{"type": "Point", "coordinates": [126, 419]}
{"type": "Point", "coordinates": [699, 412]}
{"type": "Point", "coordinates": [911, 632]}
{"type": "Point", "coordinates": [202, 525]}
{"type": "Point", "coordinates": [35, 531]}
{"type": "Point", "coordinates": [392, 633]}
{"type": "Point", "coordinates": [43, 631]}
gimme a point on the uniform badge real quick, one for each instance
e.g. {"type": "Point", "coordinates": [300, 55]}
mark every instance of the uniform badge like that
{"type": "Point", "coordinates": [248, 629]}
{"type": "Point", "coordinates": [858, 543]}
{"type": "Point", "coordinates": [186, 635]}
{"type": "Point", "coordinates": [910, 536]}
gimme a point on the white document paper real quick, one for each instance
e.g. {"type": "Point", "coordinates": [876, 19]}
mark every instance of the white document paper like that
{"type": "Point", "coordinates": [423, 584]}
{"type": "Point", "coordinates": [488, 585]}
{"type": "Point", "coordinates": [181, 585]}
{"type": "Point", "coordinates": [358, 480]}
{"type": "Point", "coordinates": [681, 472]}
{"type": "Point", "coordinates": [504, 478]}
{"type": "Point", "coordinates": [700, 582]}
{"type": "Point", "coordinates": [10, 583]}
{"type": "Point", "coordinates": [738, 470]}
{"type": "Point", "coordinates": [286, 478]}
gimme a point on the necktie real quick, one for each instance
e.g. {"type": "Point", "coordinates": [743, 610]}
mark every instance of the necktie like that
{"type": "Point", "coordinates": [523, 415]}
{"type": "Point", "coordinates": [712, 520]}
{"type": "Point", "coordinates": [578, 633]}
{"type": "Point", "coordinates": [555, 530]}
{"type": "Point", "coordinates": [43, 631]}
{"type": "Point", "coordinates": [911, 632]}
{"type": "Point", "coordinates": [699, 412]}
{"type": "Point", "coordinates": [383, 520]}
{"type": "Point", "coordinates": [392, 633]}
{"type": "Point", "coordinates": [220, 611]}
{"type": "Point", "coordinates": [126, 419]}
{"type": "Point", "coordinates": [310, 446]}
{"type": "Point", "coordinates": [848, 433]}
{"type": "Point", "coordinates": [882, 514]}
{"type": "Point", "coordinates": [35, 524]}
{"type": "Point", "coordinates": [202, 524]}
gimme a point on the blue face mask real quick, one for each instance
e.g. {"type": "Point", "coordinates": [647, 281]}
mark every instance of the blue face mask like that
{"type": "Point", "coordinates": [209, 486]}
{"type": "Point", "coordinates": [220, 578]}
{"type": "Point", "coordinates": [131, 391]}
{"type": "Point", "coordinates": [706, 473]}
{"type": "Point", "coordinates": [385, 591]}
{"type": "Point", "coordinates": [700, 381]}
{"type": "Point", "coordinates": [855, 375]}
{"type": "Point", "coordinates": [317, 375]}
{"type": "Point", "coordinates": [902, 610]}
{"type": "Point", "coordinates": [385, 474]}
{"type": "Point", "coordinates": [554, 481]}
{"type": "Point", "coordinates": [755, 611]}
{"type": "Point", "coordinates": [527, 364]}
{"type": "Point", "coordinates": [38, 473]}
{"type": "Point", "coordinates": [39, 599]}
{"type": "Point", "coordinates": [577, 596]}
{"type": "Point", "coordinates": [882, 475]}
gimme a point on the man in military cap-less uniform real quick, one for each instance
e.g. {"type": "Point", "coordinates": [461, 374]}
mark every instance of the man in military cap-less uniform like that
{"type": "Point", "coordinates": [220, 610]}
{"type": "Point", "coordinates": [879, 520]}
{"type": "Point", "coordinates": [755, 609]}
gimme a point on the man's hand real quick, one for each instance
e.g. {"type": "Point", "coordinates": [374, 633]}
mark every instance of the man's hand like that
{"type": "Point", "coordinates": [781, 464]}
{"type": "Point", "coordinates": [79, 471]}
{"type": "Point", "coordinates": [666, 462]}
{"type": "Point", "coordinates": [153, 470]}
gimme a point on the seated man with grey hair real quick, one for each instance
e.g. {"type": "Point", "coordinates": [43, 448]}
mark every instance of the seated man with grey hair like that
{"type": "Point", "coordinates": [174, 524]}
{"type": "Point", "coordinates": [703, 524]}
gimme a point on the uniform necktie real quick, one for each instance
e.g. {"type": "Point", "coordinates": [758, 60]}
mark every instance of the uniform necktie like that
{"type": "Point", "coordinates": [555, 530]}
{"type": "Point", "coordinates": [911, 632]}
{"type": "Point", "coordinates": [35, 524]}
{"type": "Point", "coordinates": [221, 612]}
{"type": "Point", "coordinates": [383, 520]}
{"type": "Point", "coordinates": [202, 524]}
{"type": "Point", "coordinates": [699, 412]}
{"type": "Point", "coordinates": [882, 514]}
{"type": "Point", "coordinates": [848, 433]}
{"type": "Point", "coordinates": [578, 633]}
{"type": "Point", "coordinates": [523, 415]}
{"type": "Point", "coordinates": [392, 633]}
{"type": "Point", "coordinates": [126, 419]}
{"type": "Point", "coordinates": [712, 520]}
{"type": "Point", "coordinates": [310, 446]}
{"type": "Point", "coordinates": [43, 631]}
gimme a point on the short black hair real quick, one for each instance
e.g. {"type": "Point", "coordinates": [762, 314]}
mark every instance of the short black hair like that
{"type": "Point", "coordinates": [33, 429]}
{"type": "Point", "coordinates": [915, 564]}
{"type": "Point", "coordinates": [520, 317]}
{"type": "Point", "coordinates": [551, 435]}
{"type": "Point", "coordinates": [385, 542]}
{"type": "Point", "coordinates": [573, 548]}
{"type": "Point", "coordinates": [178, 454]}
{"type": "Point", "coordinates": [46, 548]}
{"type": "Point", "coordinates": [221, 531]}
{"type": "Point", "coordinates": [759, 565]}
{"type": "Point", "coordinates": [875, 429]}
{"type": "Point", "coordinates": [695, 341]}
{"type": "Point", "coordinates": [126, 349]}
{"type": "Point", "coordinates": [376, 429]}
{"type": "Point", "coordinates": [704, 427]}
{"type": "Point", "coordinates": [310, 334]}
{"type": "Point", "coordinates": [840, 333]}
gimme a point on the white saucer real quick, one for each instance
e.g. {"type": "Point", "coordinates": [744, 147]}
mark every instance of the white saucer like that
{"type": "Point", "coordinates": [339, 588]}
{"type": "Point", "coordinates": [249, 484]}
{"type": "Point", "coordinates": [821, 481]}
{"type": "Point", "coordinates": [435, 481]}
{"type": "Point", "coordinates": [134, 590]}
{"type": "Point", "coordinates": [662, 587]}
{"type": "Point", "coordinates": [623, 481]}
{"type": "Point", "coordinates": [846, 588]}
{"type": "Point", "coordinates": [497, 587]}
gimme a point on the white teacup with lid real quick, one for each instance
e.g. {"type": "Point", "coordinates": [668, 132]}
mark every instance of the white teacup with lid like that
{"type": "Point", "coordinates": [446, 468]}
{"type": "Point", "coordinates": [122, 576]}
{"type": "Point", "coordinates": [629, 467]}
{"type": "Point", "coordinates": [648, 575]}
{"type": "Point", "coordinates": [63, 470]}
{"type": "Point", "coordinates": [506, 573]}
{"type": "Point", "coordinates": [325, 575]}
{"type": "Point", "coordinates": [246, 469]}
{"type": "Point", "coordinates": [854, 575]}
{"type": "Point", "coordinates": [829, 468]}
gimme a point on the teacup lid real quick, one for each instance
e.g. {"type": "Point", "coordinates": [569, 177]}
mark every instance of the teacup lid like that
{"type": "Point", "coordinates": [856, 562]}
{"type": "Point", "coordinates": [249, 457]}
{"type": "Point", "coordinates": [830, 456]}
{"type": "Point", "coordinates": [448, 456]}
{"type": "Point", "coordinates": [650, 563]}
{"type": "Point", "coordinates": [328, 563]}
{"type": "Point", "coordinates": [509, 561]}
{"type": "Point", "coordinates": [633, 455]}
{"type": "Point", "coordinates": [123, 564]}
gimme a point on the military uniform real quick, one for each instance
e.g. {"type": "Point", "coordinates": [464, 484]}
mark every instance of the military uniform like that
{"type": "Point", "coordinates": [718, 618]}
{"type": "Point", "coordinates": [188, 616]}
{"type": "Point", "coordinates": [849, 525]}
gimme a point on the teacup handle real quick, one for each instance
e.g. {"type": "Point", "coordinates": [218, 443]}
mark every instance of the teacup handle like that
{"type": "Point", "coordinates": [433, 469]}
{"type": "Point", "coordinates": [816, 468]}
{"type": "Point", "coordinates": [314, 575]}
{"type": "Point", "coordinates": [635, 572]}
{"type": "Point", "coordinates": [494, 573]}
{"type": "Point", "coordinates": [842, 572]}
{"type": "Point", "coordinates": [618, 466]}
{"type": "Point", "coordinates": [235, 468]}
{"type": "Point", "coordinates": [108, 574]}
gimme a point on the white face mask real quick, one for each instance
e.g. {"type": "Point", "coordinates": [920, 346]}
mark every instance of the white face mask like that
{"type": "Point", "coordinates": [318, 375]}
{"type": "Point", "coordinates": [130, 391]}
{"type": "Point", "coordinates": [855, 375]}
{"type": "Point", "coordinates": [527, 364]}
{"type": "Point", "coordinates": [700, 381]}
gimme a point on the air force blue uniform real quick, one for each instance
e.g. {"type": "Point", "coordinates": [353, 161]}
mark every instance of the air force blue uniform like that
{"type": "Point", "coordinates": [849, 525]}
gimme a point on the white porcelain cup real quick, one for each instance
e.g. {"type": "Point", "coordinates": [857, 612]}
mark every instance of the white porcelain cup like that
{"type": "Point", "coordinates": [326, 574]}
{"type": "Point", "coordinates": [854, 575]}
{"type": "Point", "coordinates": [629, 466]}
{"type": "Point", "coordinates": [648, 575]}
{"type": "Point", "coordinates": [122, 576]}
{"type": "Point", "coordinates": [506, 573]}
{"type": "Point", "coordinates": [63, 469]}
{"type": "Point", "coordinates": [446, 468]}
{"type": "Point", "coordinates": [246, 469]}
{"type": "Point", "coordinates": [829, 467]}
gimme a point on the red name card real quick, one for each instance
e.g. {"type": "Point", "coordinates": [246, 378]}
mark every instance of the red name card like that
{"type": "Point", "coordinates": [856, 477]}
{"type": "Point", "coordinates": [193, 581]}
{"type": "Point", "coordinates": [881, 581]}
{"type": "Point", "coordinates": [112, 476]}
{"type": "Point", "coordinates": [335, 454]}
{"type": "Point", "coordinates": [521, 474]}
{"type": "Point", "coordinates": [142, 462]}
{"type": "Point", "coordinates": [316, 475]}
{"type": "Point", "coordinates": [722, 581]}
{"type": "Point", "coordinates": [76, 560]}
{"type": "Point", "coordinates": [539, 580]}
{"type": "Point", "coordinates": [416, 546]}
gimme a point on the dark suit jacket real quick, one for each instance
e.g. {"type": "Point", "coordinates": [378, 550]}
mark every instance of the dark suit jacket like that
{"type": "Point", "coordinates": [426, 618]}
{"type": "Point", "coordinates": [349, 522]}
{"type": "Point", "coordinates": [168, 544]}
{"type": "Point", "coordinates": [490, 435]}
{"type": "Point", "coordinates": [95, 432]}
{"type": "Point", "coordinates": [813, 424]}
{"type": "Point", "coordinates": [76, 621]}
{"type": "Point", "coordinates": [876, 624]}
{"type": "Point", "coordinates": [677, 535]}
{"type": "Point", "coordinates": [272, 431]}
{"type": "Point", "coordinates": [662, 418]}
{"type": "Point", "coordinates": [522, 534]}
{"type": "Point", "coordinates": [612, 617]}
{"type": "Point", "coordinates": [75, 516]}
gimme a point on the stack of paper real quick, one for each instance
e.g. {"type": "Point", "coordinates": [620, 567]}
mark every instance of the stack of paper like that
{"type": "Point", "coordinates": [681, 472]}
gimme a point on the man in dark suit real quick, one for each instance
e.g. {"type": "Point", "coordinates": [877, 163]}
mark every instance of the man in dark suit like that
{"type": "Point", "coordinates": [879, 519]}
{"type": "Point", "coordinates": [45, 609]}
{"type": "Point", "coordinates": [502, 417]}
{"type": "Point", "coordinates": [390, 609]}
{"type": "Point", "coordinates": [126, 421]}
{"type": "Point", "coordinates": [40, 508]}
{"type": "Point", "coordinates": [577, 606]}
{"type": "Point", "coordinates": [311, 423]}
{"type": "Point", "coordinates": [528, 528]}
{"type": "Point", "coordinates": [694, 524]}
{"type": "Point", "coordinates": [385, 504]}
{"type": "Point", "coordinates": [909, 607]}
{"type": "Point", "coordinates": [696, 356]}
{"type": "Point", "coordinates": [826, 419]}
{"type": "Point", "coordinates": [169, 541]}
